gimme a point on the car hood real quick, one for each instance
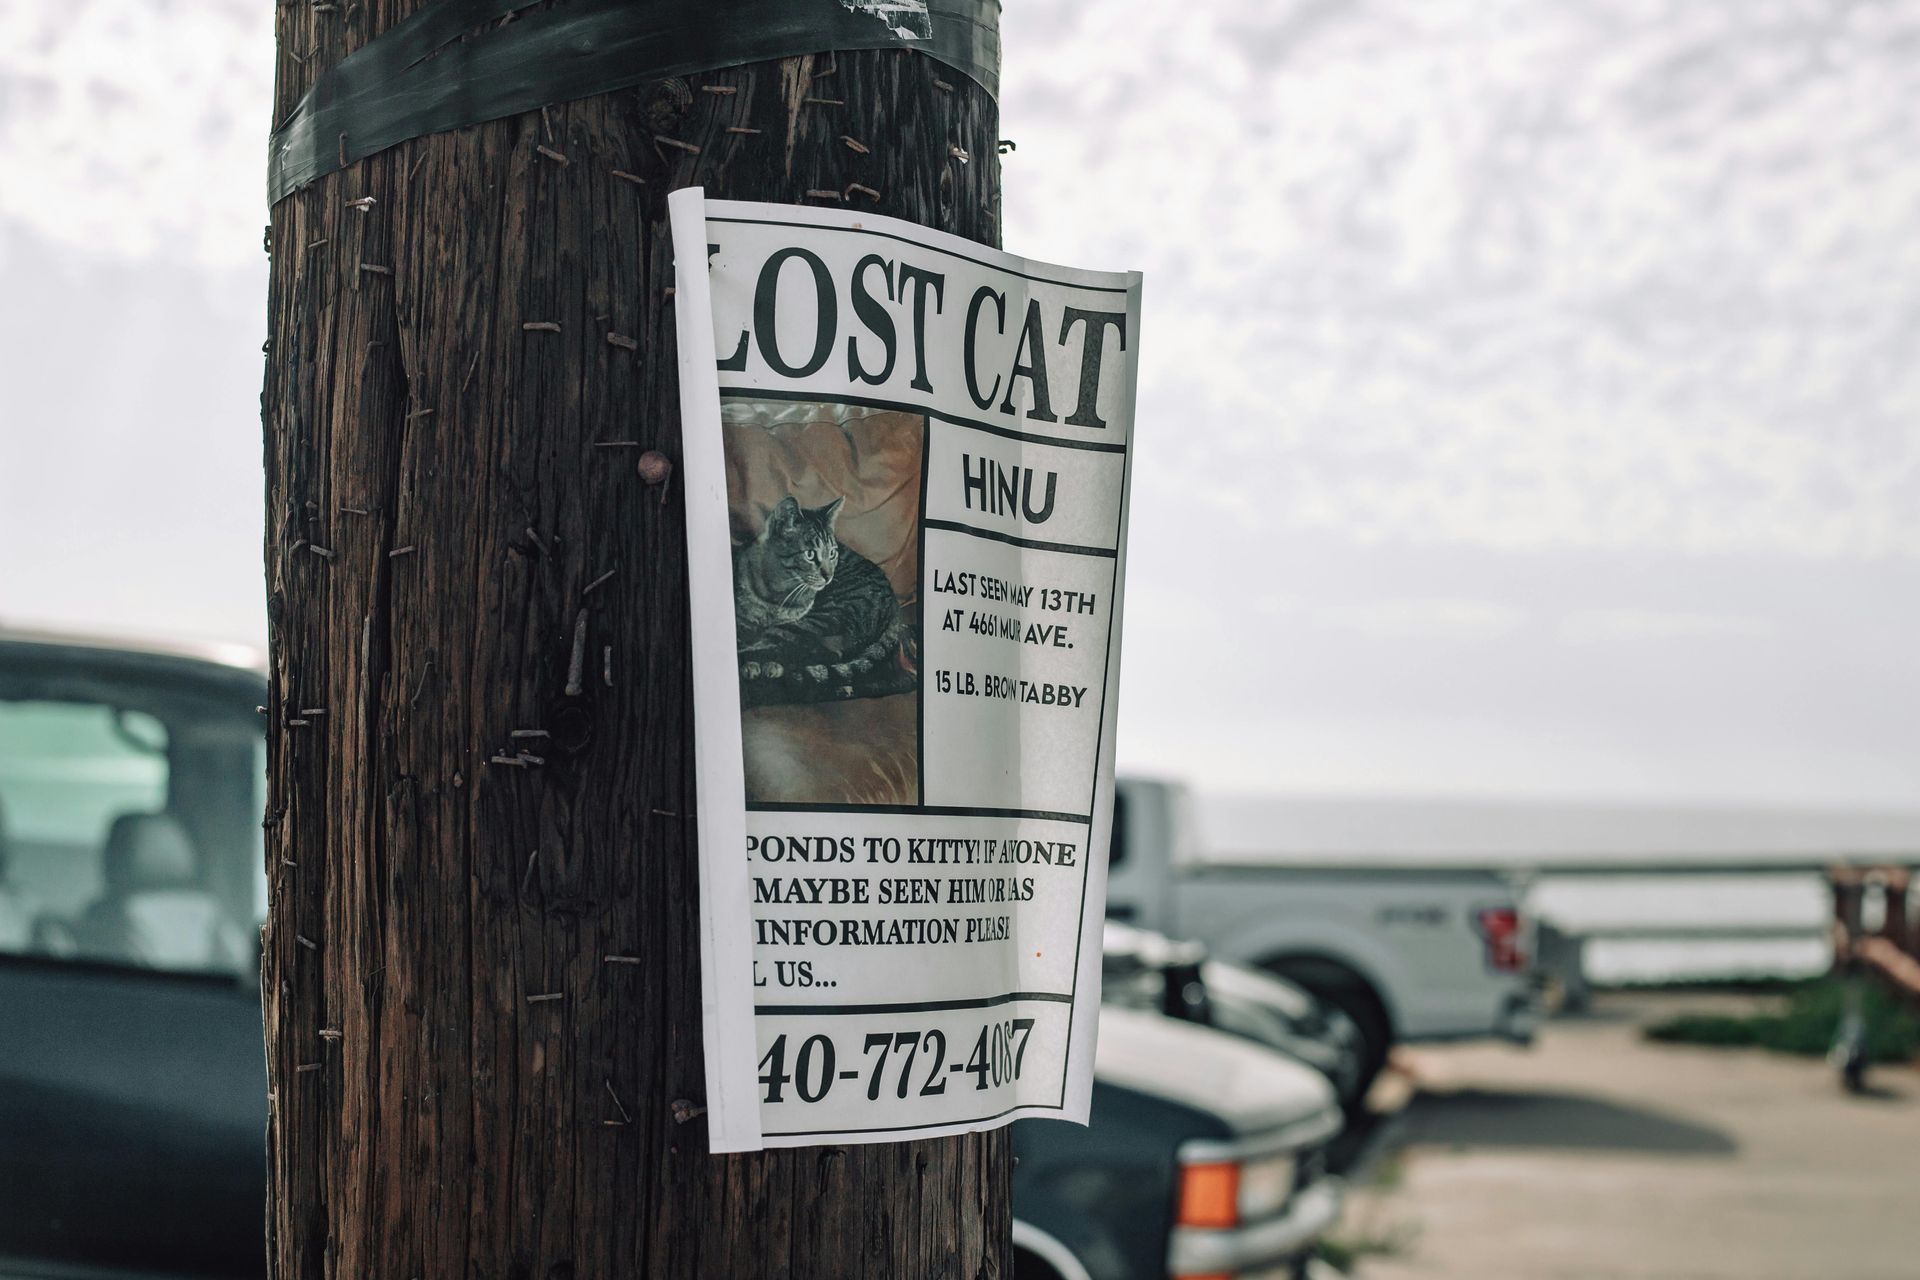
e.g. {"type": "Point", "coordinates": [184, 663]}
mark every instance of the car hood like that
{"type": "Point", "coordinates": [1250, 984]}
{"type": "Point", "coordinates": [1133, 945]}
{"type": "Point", "coordinates": [1251, 1088]}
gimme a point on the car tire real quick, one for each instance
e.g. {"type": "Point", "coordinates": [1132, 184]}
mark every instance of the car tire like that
{"type": "Point", "coordinates": [1026, 1266]}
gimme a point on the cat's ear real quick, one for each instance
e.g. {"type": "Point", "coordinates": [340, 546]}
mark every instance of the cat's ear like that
{"type": "Point", "coordinates": [783, 515]}
{"type": "Point", "coordinates": [831, 512]}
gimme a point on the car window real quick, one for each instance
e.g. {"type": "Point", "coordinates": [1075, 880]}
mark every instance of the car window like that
{"type": "Point", "coordinates": [258, 847]}
{"type": "Point", "coordinates": [119, 837]}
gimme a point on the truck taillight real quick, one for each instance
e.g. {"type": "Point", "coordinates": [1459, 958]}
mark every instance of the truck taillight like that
{"type": "Point", "coordinates": [1506, 944]}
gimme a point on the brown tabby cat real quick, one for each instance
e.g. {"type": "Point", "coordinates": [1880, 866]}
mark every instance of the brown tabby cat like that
{"type": "Point", "coordinates": [816, 620]}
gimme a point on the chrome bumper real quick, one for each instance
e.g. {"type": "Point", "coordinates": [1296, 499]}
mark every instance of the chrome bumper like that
{"type": "Point", "coordinates": [1308, 1216]}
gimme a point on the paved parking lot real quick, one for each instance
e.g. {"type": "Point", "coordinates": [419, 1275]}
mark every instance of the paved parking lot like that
{"type": "Point", "coordinates": [1597, 1155]}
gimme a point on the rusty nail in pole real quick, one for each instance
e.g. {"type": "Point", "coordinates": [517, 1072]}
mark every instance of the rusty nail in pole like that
{"type": "Point", "coordinates": [655, 468]}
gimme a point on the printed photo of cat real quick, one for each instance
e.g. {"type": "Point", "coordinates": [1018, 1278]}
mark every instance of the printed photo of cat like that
{"type": "Point", "coordinates": [816, 619]}
{"type": "Point", "coordinates": [824, 501]}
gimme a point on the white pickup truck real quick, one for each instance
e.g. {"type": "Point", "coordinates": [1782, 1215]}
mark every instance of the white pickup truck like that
{"type": "Point", "coordinates": [1409, 950]}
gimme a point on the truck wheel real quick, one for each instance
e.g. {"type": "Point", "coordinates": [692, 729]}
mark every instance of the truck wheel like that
{"type": "Point", "coordinates": [1334, 984]}
{"type": "Point", "coordinates": [1028, 1267]}
{"type": "Point", "coordinates": [1376, 1039]}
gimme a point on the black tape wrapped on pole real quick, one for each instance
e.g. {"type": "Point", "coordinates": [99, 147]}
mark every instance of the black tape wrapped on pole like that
{"type": "Point", "coordinates": [461, 62]}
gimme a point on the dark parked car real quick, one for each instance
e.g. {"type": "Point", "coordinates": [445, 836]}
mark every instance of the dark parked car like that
{"type": "Point", "coordinates": [1205, 1157]}
{"type": "Point", "coordinates": [132, 1074]}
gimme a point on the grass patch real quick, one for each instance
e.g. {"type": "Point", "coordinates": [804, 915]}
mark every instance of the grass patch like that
{"type": "Point", "coordinates": [1366, 1232]}
{"type": "Point", "coordinates": [1806, 1025]}
{"type": "Point", "coordinates": [1346, 1251]}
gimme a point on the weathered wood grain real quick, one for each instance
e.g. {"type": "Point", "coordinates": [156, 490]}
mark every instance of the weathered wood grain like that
{"type": "Point", "coordinates": [498, 1100]}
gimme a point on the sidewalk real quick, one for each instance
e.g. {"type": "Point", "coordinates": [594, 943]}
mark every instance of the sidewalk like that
{"type": "Point", "coordinates": [1599, 1156]}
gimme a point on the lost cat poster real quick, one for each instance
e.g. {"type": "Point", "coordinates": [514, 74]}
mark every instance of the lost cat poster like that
{"type": "Point", "coordinates": [906, 460]}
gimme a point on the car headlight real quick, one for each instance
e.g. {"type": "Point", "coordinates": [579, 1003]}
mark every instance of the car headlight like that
{"type": "Point", "coordinates": [1231, 1182]}
{"type": "Point", "coordinates": [1266, 1184]}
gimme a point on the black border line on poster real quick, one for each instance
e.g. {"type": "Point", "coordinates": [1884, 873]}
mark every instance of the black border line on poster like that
{"type": "Point", "coordinates": [911, 1006]}
{"type": "Point", "coordinates": [870, 233]}
{"type": "Point", "coordinates": [1099, 741]}
{"type": "Point", "coordinates": [1066, 1048]}
{"type": "Point", "coordinates": [1014, 540]}
{"type": "Point", "coordinates": [920, 604]}
{"type": "Point", "coordinates": [901, 406]}
{"type": "Point", "coordinates": [931, 1124]}
{"type": "Point", "coordinates": [917, 811]}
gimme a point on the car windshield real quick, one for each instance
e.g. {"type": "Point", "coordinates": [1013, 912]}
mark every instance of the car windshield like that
{"type": "Point", "coordinates": [129, 822]}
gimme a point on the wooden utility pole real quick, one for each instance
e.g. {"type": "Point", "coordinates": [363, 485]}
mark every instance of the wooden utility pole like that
{"type": "Point", "coordinates": [481, 965]}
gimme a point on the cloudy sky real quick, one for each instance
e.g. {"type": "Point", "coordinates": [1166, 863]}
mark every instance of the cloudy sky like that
{"type": "Point", "coordinates": [1528, 406]}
